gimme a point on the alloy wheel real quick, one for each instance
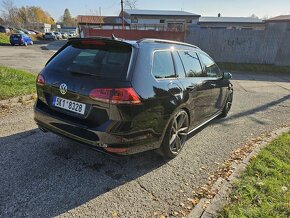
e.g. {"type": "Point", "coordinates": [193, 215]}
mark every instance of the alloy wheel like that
{"type": "Point", "coordinates": [178, 133]}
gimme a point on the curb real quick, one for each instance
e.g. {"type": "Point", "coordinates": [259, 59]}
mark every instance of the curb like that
{"type": "Point", "coordinates": [207, 208]}
{"type": "Point", "coordinates": [18, 100]}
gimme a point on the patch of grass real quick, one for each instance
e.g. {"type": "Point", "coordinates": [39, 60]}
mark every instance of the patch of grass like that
{"type": "Point", "coordinates": [264, 188]}
{"type": "Point", "coordinates": [15, 82]}
{"type": "Point", "coordinates": [267, 68]}
{"type": "Point", "coordinates": [4, 38]}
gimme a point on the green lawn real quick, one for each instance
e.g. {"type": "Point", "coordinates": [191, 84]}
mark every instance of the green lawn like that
{"type": "Point", "coordinates": [4, 39]}
{"type": "Point", "coordinates": [15, 82]}
{"type": "Point", "coordinates": [264, 189]}
{"type": "Point", "coordinates": [253, 68]}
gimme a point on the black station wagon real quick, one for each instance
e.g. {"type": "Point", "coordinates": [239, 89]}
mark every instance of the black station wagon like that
{"type": "Point", "coordinates": [126, 97]}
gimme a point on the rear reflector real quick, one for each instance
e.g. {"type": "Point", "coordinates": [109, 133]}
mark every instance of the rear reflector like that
{"type": "Point", "coordinates": [115, 95]}
{"type": "Point", "coordinates": [116, 150]}
{"type": "Point", "coordinates": [40, 80]}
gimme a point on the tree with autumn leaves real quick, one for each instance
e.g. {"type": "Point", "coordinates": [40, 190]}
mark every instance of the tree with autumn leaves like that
{"type": "Point", "coordinates": [21, 16]}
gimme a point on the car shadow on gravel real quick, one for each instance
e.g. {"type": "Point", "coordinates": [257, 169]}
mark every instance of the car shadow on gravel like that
{"type": "Point", "coordinates": [47, 175]}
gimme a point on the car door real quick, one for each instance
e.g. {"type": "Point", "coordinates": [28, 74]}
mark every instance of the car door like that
{"type": "Point", "coordinates": [216, 86]}
{"type": "Point", "coordinates": [193, 81]}
{"type": "Point", "coordinates": [167, 87]}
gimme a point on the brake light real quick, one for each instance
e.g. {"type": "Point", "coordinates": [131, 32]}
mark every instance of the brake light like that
{"type": "Point", "coordinates": [40, 80]}
{"type": "Point", "coordinates": [115, 95]}
{"type": "Point", "coordinates": [93, 42]}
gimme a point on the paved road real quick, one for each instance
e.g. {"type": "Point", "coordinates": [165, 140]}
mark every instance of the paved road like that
{"type": "Point", "coordinates": [30, 58]}
{"type": "Point", "coordinates": [44, 175]}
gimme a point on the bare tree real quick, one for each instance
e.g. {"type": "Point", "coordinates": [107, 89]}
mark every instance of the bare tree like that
{"type": "Point", "coordinates": [131, 4]}
{"type": "Point", "coordinates": [10, 12]}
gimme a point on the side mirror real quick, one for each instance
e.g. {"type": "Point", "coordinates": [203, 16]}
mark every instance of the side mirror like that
{"type": "Point", "coordinates": [227, 75]}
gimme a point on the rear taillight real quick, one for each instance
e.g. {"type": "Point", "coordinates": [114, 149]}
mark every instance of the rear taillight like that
{"type": "Point", "coordinates": [115, 95]}
{"type": "Point", "coordinates": [40, 80]}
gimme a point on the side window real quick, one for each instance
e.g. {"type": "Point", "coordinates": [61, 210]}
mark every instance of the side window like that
{"type": "Point", "coordinates": [178, 65]}
{"type": "Point", "coordinates": [211, 67]}
{"type": "Point", "coordinates": [163, 65]}
{"type": "Point", "coordinates": [191, 64]}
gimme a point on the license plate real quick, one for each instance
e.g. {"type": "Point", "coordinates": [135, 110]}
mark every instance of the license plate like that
{"type": "Point", "coordinates": [69, 105]}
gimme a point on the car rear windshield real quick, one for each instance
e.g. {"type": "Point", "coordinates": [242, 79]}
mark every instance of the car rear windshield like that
{"type": "Point", "coordinates": [16, 36]}
{"type": "Point", "coordinates": [105, 60]}
{"type": "Point", "coordinates": [48, 33]}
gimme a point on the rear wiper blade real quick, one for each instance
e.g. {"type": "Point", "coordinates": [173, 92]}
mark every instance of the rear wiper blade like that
{"type": "Point", "coordinates": [82, 73]}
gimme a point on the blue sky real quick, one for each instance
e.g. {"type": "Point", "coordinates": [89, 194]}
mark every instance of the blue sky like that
{"type": "Point", "coordinates": [204, 7]}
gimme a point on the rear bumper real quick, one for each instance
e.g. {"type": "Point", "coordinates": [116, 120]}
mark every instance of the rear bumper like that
{"type": "Point", "coordinates": [97, 138]}
{"type": "Point", "coordinates": [16, 42]}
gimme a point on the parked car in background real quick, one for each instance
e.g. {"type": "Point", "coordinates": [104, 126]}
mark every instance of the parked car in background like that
{"type": "Point", "coordinates": [64, 35]}
{"type": "Point", "coordinates": [58, 35]}
{"type": "Point", "coordinates": [36, 32]}
{"type": "Point", "coordinates": [49, 36]}
{"type": "Point", "coordinates": [71, 34]}
{"type": "Point", "coordinates": [126, 97]}
{"type": "Point", "coordinates": [4, 29]}
{"type": "Point", "coordinates": [20, 39]}
{"type": "Point", "coordinates": [28, 32]}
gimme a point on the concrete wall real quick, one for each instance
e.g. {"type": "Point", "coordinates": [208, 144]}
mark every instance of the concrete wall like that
{"type": "Point", "coordinates": [237, 26]}
{"type": "Point", "coordinates": [243, 46]}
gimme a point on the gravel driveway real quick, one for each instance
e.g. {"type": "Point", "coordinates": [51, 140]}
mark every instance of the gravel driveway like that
{"type": "Point", "coordinates": [30, 58]}
{"type": "Point", "coordinates": [44, 175]}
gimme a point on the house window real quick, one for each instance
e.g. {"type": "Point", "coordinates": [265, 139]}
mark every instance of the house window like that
{"type": "Point", "coordinates": [134, 20]}
{"type": "Point", "coordinates": [162, 21]}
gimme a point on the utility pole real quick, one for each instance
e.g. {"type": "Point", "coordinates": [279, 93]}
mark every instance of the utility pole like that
{"type": "Point", "coordinates": [122, 11]}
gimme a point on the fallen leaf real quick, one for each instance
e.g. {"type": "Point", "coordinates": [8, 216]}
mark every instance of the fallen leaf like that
{"type": "Point", "coordinates": [284, 188]}
{"type": "Point", "coordinates": [114, 214]}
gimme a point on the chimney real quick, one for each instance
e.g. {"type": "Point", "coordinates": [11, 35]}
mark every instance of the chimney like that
{"type": "Point", "coordinates": [219, 14]}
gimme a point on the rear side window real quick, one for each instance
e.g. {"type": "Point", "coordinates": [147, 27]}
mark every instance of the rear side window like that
{"type": "Point", "coordinates": [163, 65]}
{"type": "Point", "coordinates": [102, 60]}
{"type": "Point", "coordinates": [191, 64]}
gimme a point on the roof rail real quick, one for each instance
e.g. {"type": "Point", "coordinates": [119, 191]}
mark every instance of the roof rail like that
{"type": "Point", "coordinates": [166, 41]}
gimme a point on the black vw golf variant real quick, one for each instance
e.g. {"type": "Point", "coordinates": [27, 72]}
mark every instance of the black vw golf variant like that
{"type": "Point", "coordinates": [126, 97]}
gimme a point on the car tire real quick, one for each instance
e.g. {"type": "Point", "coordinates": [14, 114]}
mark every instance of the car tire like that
{"type": "Point", "coordinates": [228, 105]}
{"type": "Point", "coordinates": [175, 135]}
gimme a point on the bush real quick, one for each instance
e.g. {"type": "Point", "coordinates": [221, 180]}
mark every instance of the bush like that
{"type": "Point", "coordinates": [4, 38]}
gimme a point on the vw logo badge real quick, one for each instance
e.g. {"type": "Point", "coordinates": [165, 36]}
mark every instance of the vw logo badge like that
{"type": "Point", "coordinates": [63, 88]}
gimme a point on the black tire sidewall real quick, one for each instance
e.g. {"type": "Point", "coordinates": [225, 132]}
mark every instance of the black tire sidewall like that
{"type": "Point", "coordinates": [165, 147]}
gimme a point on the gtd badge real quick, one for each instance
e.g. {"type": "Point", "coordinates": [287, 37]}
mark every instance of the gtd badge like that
{"type": "Point", "coordinates": [63, 88]}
